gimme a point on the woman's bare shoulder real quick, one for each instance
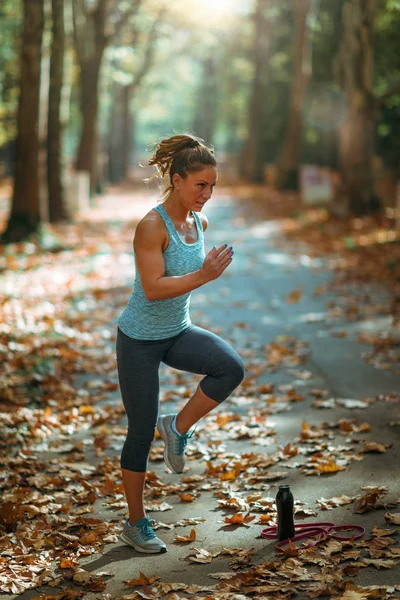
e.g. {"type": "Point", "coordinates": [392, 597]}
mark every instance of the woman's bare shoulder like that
{"type": "Point", "coordinates": [204, 221]}
{"type": "Point", "coordinates": [150, 229]}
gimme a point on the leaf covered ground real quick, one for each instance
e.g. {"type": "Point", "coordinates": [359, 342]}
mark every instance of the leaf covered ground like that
{"type": "Point", "coordinates": [62, 421]}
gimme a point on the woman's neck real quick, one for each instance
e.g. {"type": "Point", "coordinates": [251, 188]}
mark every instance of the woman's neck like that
{"type": "Point", "coordinates": [176, 210]}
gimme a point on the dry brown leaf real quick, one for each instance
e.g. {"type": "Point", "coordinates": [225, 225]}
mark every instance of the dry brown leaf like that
{"type": "Point", "coordinates": [67, 563]}
{"type": "Point", "coordinates": [353, 592]}
{"type": "Point", "coordinates": [290, 450]}
{"type": "Point", "coordinates": [379, 564]}
{"type": "Point", "coordinates": [290, 549]}
{"type": "Point", "coordinates": [393, 518]}
{"type": "Point", "coordinates": [184, 539]}
{"type": "Point", "coordinates": [143, 580]}
{"type": "Point", "coordinates": [329, 503]}
{"type": "Point", "coordinates": [375, 447]}
{"type": "Point", "coordinates": [294, 296]}
{"type": "Point", "coordinates": [369, 501]}
{"type": "Point", "coordinates": [381, 532]}
{"type": "Point", "coordinates": [239, 519]}
{"type": "Point", "coordinates": [266, 520]}
{"type": "Point", "coordinates": [187, 497]}
{"type": "Point", "coordinates": [350, 426]}
{"type": "Point", "coordinates": [88, 538]}
{"type": "Point", "coordinates": [201, 556]}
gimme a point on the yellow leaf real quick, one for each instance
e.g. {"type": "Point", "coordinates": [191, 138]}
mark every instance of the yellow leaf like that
{"type": "Point", "coordinates": [229, 476]}
{"type": "Point", "coordinates": [183, 539]}
{"type": "Point", "coordinates": [329, 467]}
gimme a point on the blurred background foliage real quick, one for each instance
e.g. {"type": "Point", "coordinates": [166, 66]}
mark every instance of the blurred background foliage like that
{"type": "Point", "coordinates": [225, 70]}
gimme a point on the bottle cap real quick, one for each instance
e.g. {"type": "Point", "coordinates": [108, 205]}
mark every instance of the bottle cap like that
{"type": "Point", "coordinates": [284, 486]}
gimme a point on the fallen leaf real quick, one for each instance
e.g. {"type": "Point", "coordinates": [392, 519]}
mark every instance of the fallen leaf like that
{"type": "Point", "coordinates": [187, 497]}
{"type": "Point", "coordinates": [183, 539]}
{"type": "Point", "coordinates": [375, 447]}
{"type": "Point", "coordinates": [67, 563]}
{"type": "Point", "coordinates": [294, 296]}
{"type": "Point", "coordinates": [239, 519]}
{"type": "Point", "coordinates": [201, 556]}
{"type": "Point", "coordinates": [353, 592]}
{"type": "Point", "coordinates": [143, 580]}
{"type": "Point", "coordinates": [393, 518]}
{"type": "Point", "coordinates": [329, 467]}
{"type": "Point", "coordinates": [329, 503]}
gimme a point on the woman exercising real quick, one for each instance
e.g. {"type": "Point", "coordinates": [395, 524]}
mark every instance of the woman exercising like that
{"type": "Point", "coordinates": [155, 326]}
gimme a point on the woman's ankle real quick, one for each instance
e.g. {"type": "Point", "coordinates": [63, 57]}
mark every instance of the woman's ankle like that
{"type": "Point", "coordinates": [135, 518]}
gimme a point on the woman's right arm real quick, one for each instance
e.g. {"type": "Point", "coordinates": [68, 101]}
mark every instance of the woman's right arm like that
{"type": "Point", "coordinates": [148, 243]}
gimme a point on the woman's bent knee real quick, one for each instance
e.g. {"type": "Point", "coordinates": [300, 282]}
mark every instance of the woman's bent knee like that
{"type": "Point", "coordinates": [236, 372]}
{"type": "Point", "coordinates": [135, 453]}
{"type": "Point", "coordinates": [220, 387]}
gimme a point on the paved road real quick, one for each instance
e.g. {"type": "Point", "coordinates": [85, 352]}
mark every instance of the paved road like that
{"type": "Point", "coordinates": [248, 307]}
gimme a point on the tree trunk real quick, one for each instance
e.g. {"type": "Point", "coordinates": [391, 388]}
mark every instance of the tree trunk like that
{"type": "Point", "coordinates": [116, 136]}
{"type": "Point", "coordinates": [89, 83]}
{"type": "Point", "coordinates": [252, 163]}
{"type": "Point", "coordinates": [43, 111]}
{"type": "Point", "coordinates": [25, 212]}
{"type": "Point", "coordinates": [355, 63]}
{"type": "Point", "coordinates": [204, 122]}
{"type": "Point", "coordinates": [54, 132]}
{"type": "Point", "coordinates": [290, 154]}
{"type": "Point", "coordinates": [94, 28]}
{"type": "Point", "coordinates": [90, 43]}
{"type": "Point", "coordinates": [127, 130]}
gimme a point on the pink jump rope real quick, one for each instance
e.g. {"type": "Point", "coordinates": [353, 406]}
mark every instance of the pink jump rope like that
{"type": "Point", "coordinates": [286, 531]}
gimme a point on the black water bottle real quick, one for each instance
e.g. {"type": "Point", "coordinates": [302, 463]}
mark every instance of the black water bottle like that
{"type": "Point", "coordinates": [284, 505]}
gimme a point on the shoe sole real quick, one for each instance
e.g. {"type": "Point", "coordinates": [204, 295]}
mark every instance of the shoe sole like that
{"type": "Point", "coordinates": [163, 435]}
{"type": "Point", "coordinates": [129, 542]}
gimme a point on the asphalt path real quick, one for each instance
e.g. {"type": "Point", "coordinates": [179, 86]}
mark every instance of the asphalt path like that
{"type": "Point", "coordinates": [249, 307]}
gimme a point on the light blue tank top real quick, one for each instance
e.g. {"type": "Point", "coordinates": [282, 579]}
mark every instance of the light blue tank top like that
{"type": "Point", "coordinates": [143, 319]}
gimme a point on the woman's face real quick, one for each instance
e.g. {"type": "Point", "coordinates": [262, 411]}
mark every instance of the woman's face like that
{"type": "Point", "coordinates": [197, 188]}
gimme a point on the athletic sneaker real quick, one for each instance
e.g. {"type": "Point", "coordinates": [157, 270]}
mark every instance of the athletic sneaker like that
{"type": "Point", "coordinates": [175, 444]}
{"type": "Point", "coordinates": [142, 537]}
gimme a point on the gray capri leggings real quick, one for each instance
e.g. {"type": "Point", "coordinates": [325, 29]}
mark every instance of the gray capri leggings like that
{"type": "Point", "coordinates": [194, 350]}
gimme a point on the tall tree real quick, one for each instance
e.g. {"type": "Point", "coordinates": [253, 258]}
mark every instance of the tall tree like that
{"type": "Point", "coordinates": [355, 70]}
{"type": "Point", "coordinates": [206, 114]}
{"type": "Point", "coordinates": [25, 212]}
{"type": "Point", "coordinates": [252, 163]}
{"type": "Point", "coordinates": [54, 126]}
{"type": "Point", "coordinates": [10, 19]}
{"type": "Point", "coordinates": [95, 26]}
{"type": "Point", "coordinates": [128, 77]}
{"type": "Point", "coordinates": [290, 153]}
